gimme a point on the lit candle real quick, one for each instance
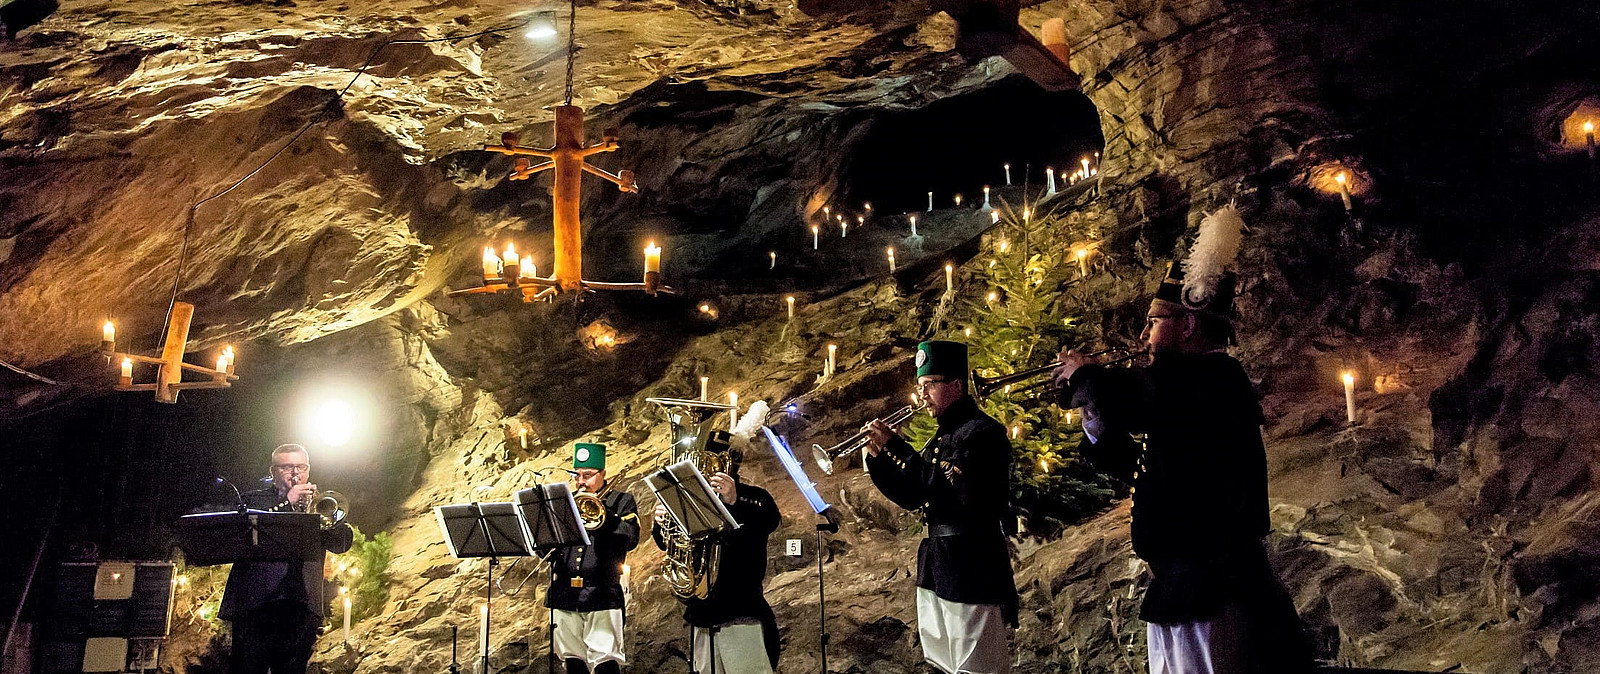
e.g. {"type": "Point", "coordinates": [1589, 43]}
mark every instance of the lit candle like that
{"type": "Point", "coordinates": [522, 436]}
{"type": "Point", "coordinates": [491, 264]}
{"type": "Point", "coordinates": [814, 231]}
{"type": "Point", "coordinates": [222, 363]}
{"type": "Point", "coordinates": [891, 259]}
{"type": "Point", "coordinates": [1083, 265]}
{"type": "Point", "coordinates": [127, 372]}
{"type": "Point", "coordinates": [1349, 396]}
{"type": "Point", "coordinates": [1588, 133]}
{"type": "Point", "coordinates": [652, 258]}
{"type": "Point", "coordinates": [790, 300]}
{"type": "Point", "coordinates": [347, 619]}
{"type": "Point", "coordinates": [844, 229]}
{"type": "Point", "coordinates": [1008, 174]}
{"type": "Point", "coordinates": [1344, 189]}
{"type": "Point", "coordinates": [930, 202]}
{"type": "Point", "coordinates": [108, 334]}
{"type": "Point", "coordinates": [986, 205]}
{"type": "Point", "coordinates": [958, 200]}
{"type": "Point", "coordinates": [512, 264]}
{"type": "Point", "coordinates": [993, 296]}
{"type": "Point", "coordinates": [966, 332]}
{"type": "Point", "coordinates": [1085, 162]}
{"type": "Point", "coordinates": [1016, 432]}
{"type": "Point", "coordinates": [833, 352]}
{"type": "Point", "coordinates": [1043, 465]}
{"type": "Point", "coordinates": [228, 351]}
{"type": "Point", "coordinates": [827, 212]}
{"type": "Point", "coordinates": [1050, 175]}
{"type": "Point", "coordinates": [867, 206]}
{"type": "Point", "coordinates": [704, 383]}
{"type": "Point", "coordinates": [949, 278]}
{"type": "Point", "coordinates": [773, 256]}
{"type": "Point", "coordinates": [733, 414]}
{"type": "Point", "coordinates": [913, 225]}
{"type": "Point", "coordinates": [529, 269]}
{"type": "Point", "coordinates": [483, 632]}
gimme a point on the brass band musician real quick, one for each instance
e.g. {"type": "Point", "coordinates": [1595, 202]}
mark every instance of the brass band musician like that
{"type": "Point", "coordinates": [735, 631]}
{"type": "Point", "coordinates": [1199, 479]}
{"type": "Point", "coordinates": [960, 480]}
{"type": "Point", "coordinates": [275, 609]}
{"type": "Point", "coordinates": [586, 596]}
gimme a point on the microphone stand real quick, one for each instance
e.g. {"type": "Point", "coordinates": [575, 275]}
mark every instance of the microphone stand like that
{"type": "Point", "coordinates": [455, 666]}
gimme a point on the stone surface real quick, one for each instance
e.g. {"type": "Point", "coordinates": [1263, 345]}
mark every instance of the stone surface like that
{"type": "Point", "coordinates": [1452, 527]}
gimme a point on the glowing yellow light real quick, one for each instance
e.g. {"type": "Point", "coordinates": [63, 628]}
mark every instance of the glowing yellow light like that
{"type": "Point", "coordinates": [705, 308]}
{"type": "Point", "coordinates": [1340, 178]}
{"type": "Point", "coordinates": [1044, 465]}
{"type": "Point", "coordinates": [967, 331]}
{"type": "Point", "coordinates": [1349, 378]}
{"type": "Point", "coordinates": [1081, 253]}
{"type": "Point", "coordinates": [993, 296]}
{"type": "Point", "coordinates": [343, 590]}
{"type": "Point", "coordinates": [1588, 127]}
{"type": "Point", "coordinates": [108, 332]}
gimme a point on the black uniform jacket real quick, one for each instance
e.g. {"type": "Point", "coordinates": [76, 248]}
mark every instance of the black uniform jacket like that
{"type": "Point", "coordinates": [965, 557]}
{"type": "Point", "coordinates": [599, 565]}
{"type": "Point", "coordinates": [252, 585]}
{"type": "Point", "coordinates": [742, 570]}
{"type": "Point", "coordinates": [1199, 483]}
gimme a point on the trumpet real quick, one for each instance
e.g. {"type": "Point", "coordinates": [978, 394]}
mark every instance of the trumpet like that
{"type": "Point", "coordinates": [332, 506]}
{"type": "Point", "coordinates": [854, 443]}
{"type": "Point", "coordinates": [986, 386]}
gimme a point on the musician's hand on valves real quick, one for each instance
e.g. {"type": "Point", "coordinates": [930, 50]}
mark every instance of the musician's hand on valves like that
{"type": "Point", "coordinates": [725, 488]}
{"type": "Point", "coordinates": [878, 435]}
{"type": "Point", "coordinates": [300, 491]}
{"type": "Point", "coordinates": [1070, 362]}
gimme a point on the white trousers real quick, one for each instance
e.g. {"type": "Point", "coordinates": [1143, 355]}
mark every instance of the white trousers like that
{"type": "Point", "coordinates": [960, 637]}
{"type": "Point", "coordinates": [741, 649]}
{"type": "Point", "coordinates": [1215, 646]}
{"type": "Point", "coordinates": [591, 636]}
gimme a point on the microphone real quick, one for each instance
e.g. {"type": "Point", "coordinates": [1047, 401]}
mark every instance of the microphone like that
{"type": "Point", "coordinates": [238, 497]}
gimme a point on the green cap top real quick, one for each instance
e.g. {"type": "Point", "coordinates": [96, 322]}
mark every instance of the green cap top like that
{"type": "Point", "coordinates": [942, 359]}
{"type": "Point", "coordinates": [589, 455]}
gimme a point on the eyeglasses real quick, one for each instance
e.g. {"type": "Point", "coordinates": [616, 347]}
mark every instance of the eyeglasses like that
{"type": "Point", "coordinates": [923, 385]}
{"type": "Point", "coordinates": [292, 468]}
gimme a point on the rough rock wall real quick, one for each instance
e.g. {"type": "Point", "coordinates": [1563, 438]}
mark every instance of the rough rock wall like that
{"type": "Point", "coordinates": [1452, 526]}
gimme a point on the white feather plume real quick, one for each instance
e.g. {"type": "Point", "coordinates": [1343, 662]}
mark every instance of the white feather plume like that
{"type": "Point", "coordinates": [752, 421]}
{"type": "Point", "coordinates": [1213, 252]}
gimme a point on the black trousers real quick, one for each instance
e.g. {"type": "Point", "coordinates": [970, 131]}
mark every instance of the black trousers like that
{"type": "Point", "coordinates": [275, 638]}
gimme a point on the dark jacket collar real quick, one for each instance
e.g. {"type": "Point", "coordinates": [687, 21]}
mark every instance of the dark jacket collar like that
{"type": "Point", "coordinates": [959, 412]}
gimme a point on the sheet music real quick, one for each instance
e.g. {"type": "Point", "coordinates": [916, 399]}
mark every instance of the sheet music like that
{"type": "Point", "coordinates": [690, 500]}
{"type": "Point", "coordinates": [550, 516]}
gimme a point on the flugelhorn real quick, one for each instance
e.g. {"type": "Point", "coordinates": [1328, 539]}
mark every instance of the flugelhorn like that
{"type": "Point", "coordinates": [986, 386]}
{"type": "Point", "coordinates": [854, 443]}
{"type": "Point", "coordinates": [591, 509]}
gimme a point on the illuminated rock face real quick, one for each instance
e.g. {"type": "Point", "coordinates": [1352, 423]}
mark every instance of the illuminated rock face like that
{"type": "Point", "coordinates": [1454, 525]}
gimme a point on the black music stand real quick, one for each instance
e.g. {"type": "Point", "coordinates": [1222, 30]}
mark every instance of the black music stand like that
{"type": "Point", "coordinates": [550, 520]}
{"type": "Point", "coordinates": [492, 530]}
{"type": "Point", "coordinates": [690, 500]}
{"type": "Point", "coordinates": [208, 539]}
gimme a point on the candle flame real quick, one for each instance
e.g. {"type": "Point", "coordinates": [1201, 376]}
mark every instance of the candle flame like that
{"type": "Point", "coordinates": [1044, 465]}
{"type": "Point", "coordinates": [1349, 378]}
{"type": "Point", "coordinates": [966, 331]}
{"type": "Point", "coordinates": [651, 248]}
{"type": "Point", "coordinates": [1080, 253]}
{"type": "Point", "coordinates": [1588, 127]}
{"type": "Point", "coordinates": [108, 332]}
{"type": "Point", "coordinates": [993, 296]}
{"type": "Point", "coordinates": [1340, 178]}
{"type": "Point", "coordinates": [814, 229]}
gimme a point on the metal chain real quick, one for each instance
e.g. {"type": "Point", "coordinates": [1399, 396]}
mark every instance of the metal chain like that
{"type": "Point", "coordinates": [572, 47]}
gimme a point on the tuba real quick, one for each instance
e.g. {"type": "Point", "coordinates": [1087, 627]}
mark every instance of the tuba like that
{"type": "Point", "coordinates": [691, 564]}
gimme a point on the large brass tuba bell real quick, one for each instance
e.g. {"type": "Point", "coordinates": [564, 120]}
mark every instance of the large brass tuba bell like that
{"type": "Point", "coordinates": [332, 506]}
{"type": "Point", "coordinates": [692, 564]}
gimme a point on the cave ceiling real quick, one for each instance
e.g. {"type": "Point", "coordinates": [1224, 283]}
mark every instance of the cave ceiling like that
{"type": "Point", "coordinates": [116, 117]}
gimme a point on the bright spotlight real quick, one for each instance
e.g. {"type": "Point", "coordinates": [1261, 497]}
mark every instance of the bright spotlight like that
{"type": "Point", "coordinates": [542, 26]}
{"type": "Point", "coordinates": [334, 422]}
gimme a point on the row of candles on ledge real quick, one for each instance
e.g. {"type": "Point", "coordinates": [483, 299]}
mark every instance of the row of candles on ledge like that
{"type": "Point", "coordinates": [108, 344]}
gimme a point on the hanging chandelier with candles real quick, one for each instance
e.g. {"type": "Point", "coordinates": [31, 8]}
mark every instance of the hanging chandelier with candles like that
{"type": "Point", "coordinates": [170, 366]}
{"type": "Point", "coordinates": [510, 273]}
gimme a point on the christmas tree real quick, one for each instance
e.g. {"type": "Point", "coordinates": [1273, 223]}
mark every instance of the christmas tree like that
{"type": "Point", "coordinates": [1015, 312]}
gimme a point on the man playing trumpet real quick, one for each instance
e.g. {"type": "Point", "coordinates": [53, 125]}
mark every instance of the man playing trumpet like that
{"type": "Point", "coordinates": [585, 596]}
{"type": "Point", "coordinates": [960, 480]}
{"type": "Point", "coordinates": [1199, 480]}
{"type": "Point", "coordinates": [275, 608]}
